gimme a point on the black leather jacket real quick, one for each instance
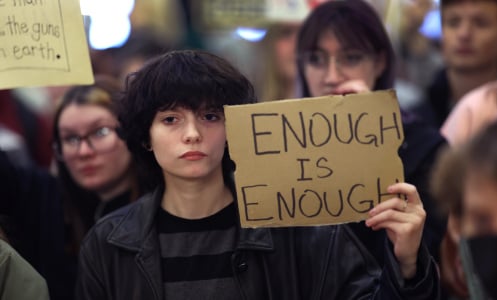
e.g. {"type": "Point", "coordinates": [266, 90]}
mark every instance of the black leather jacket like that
{"type": "Point", "coordinates": [120, 259]}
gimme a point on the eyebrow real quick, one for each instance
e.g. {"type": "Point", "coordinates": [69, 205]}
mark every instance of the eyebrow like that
{"type": "Point", "coordinates": [342, 50]}
{"type": "Point", "coordinates": [91, 126]}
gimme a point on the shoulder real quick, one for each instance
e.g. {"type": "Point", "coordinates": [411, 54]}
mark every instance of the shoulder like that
{"type": "Point", "coordinates": [422, 142]}
{"type": "Point", "coordinates": [125, 225]}
{"type": "Point", "coordinates": [480, 98]}
{"type": "Point", "coordinates": [417, 130]}
{"type": "Point", "coordinates": [474, 111]}
{"type": "Point", "coordinates": [19, 279]}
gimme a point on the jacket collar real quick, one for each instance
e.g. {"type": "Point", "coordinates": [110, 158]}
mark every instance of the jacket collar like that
{"type": "Point", "coordinates": [136, 230]}
{"type": "Point", "coordinates": [137, 223]}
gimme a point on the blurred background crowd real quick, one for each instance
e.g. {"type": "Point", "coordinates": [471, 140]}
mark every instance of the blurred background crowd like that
{"type": "Point", "coordinates": [257, 36]}
{"type": "Point", "coordinates": [446, 73]}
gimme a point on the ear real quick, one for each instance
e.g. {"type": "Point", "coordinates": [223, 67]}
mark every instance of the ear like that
{"type": "Point", "coordinates": [147, 146]}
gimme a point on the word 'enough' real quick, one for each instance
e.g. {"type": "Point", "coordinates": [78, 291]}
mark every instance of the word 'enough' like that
{"type": "Point", "coordinates": [309, 203]}
{"type": "Point", "coordinates": [319, 129]}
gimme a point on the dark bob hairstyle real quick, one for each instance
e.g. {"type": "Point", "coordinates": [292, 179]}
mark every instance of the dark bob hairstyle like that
{"type": "Point", "coordinates": [190, 79]}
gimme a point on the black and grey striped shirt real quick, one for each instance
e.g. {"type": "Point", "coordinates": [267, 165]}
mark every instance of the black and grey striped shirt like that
{"type": "Point", "coordinates": [196, 255]}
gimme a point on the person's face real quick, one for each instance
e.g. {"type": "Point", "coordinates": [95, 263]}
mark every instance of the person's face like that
{"type": "Point", "coordinates": [284, 47]}
{"type": "Point", "coordinates": [332, 66]}
{"type": "Point", "coordinates": [480, 206]}
{"type": "Point", "coordinates": [470, 35]}
{"type": "Point", "coordinates": [93, 153]}
{"type": "Point", "coordinates": [188, 145]}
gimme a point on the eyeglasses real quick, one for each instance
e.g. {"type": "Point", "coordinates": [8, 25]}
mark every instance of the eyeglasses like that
{"type": "Point", "coordinates": [344, 61]}
{"type": "Point", "coordinates": [101, 140]}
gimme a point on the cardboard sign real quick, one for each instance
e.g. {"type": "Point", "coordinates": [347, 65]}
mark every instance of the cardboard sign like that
{"type": "Point", "coordinates": [314, 161]}
{"type": "Point", "coordinates": [287, 10]}
{"type": "Point", "coordinates": [251, 13]}
{"type": "Point", "coordinates": [43, 42]}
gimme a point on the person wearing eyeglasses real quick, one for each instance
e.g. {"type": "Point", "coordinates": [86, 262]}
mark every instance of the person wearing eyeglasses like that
{"type": "Point", "coordinates": [343, 48]}
{"type": "Point", "coordinates": [95, 174]}
{"type": "Point", "coordinates": [90, 155]}
{"type": "Point", "coordinates": [183, 240]}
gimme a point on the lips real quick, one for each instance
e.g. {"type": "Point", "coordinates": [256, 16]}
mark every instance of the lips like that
{"type": "Point", "coordinates": [464, 51]}
{"type": "Point", "coordinates": [88, 170]}
{"type": "Point", "coordinates": [193, 155]}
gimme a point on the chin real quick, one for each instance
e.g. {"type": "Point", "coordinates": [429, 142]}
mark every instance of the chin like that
{"type": "Point", "coordinates": [92, 185]}
{"type": "Point", "coordinates": [469, 66]}
{"type": "Point", "coordinates": [197, 174]}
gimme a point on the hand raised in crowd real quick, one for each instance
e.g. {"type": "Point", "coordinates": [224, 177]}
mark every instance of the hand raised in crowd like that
{"type": "Point", "coordinates": [403, 220]}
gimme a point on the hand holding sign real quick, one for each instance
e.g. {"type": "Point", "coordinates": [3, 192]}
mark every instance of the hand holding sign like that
{"type": "Point", "coordinates": [314, 161]}
{"type": "Point", "coordinates": [403, 219]}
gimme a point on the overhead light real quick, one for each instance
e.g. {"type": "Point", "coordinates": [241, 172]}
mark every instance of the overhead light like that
{"type": "Point", "coordinates": [251, 34]}
{"type": "Point", "coordinates": [109, 24]}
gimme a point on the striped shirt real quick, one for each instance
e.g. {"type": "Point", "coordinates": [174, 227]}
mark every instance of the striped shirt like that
{"type": "Point", "coordinates": [196, 255]}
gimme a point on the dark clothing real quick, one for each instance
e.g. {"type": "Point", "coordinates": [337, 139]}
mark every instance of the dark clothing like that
{"type": "Point", "coordinates": [418, 153]}
{"type": "Point", "coordinates": [104, 208]}
{"type": "Point", "coordinates": [31, 212]}
{"type": "Point", "coordinates": [120, 259]}
{"type": "Point", "coordinates": [437, 103]}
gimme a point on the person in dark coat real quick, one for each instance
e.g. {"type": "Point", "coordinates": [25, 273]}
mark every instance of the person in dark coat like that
{"type": "Point", "coordinates": [343, 48]}
{"type": "Point", "coordinates": [183, 240]}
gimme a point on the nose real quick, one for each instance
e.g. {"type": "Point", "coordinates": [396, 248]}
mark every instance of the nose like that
{"type": "Point", "coordinates": [333, 73]}
{"type": "Point", "coordinates": [192, 133]}
{"type": "Point", "coordinates": [464, 30]}
{"type": "Point", "coordinates": [85, 148]}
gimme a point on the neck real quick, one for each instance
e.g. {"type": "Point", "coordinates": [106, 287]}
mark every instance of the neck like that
{"type": "Point", "coordinates": [116, 188]}
{"type": "Point", "coordinates": [461, 82]}
{"type": "Point", "coordinates": [195, 199]}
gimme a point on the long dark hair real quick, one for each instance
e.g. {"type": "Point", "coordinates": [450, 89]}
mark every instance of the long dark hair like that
{"type": "Point", "coordinates": [356, 25]}
{"type": "Point", "coordinates": [80, 203]}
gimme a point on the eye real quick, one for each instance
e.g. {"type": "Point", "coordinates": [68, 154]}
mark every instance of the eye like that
{"type": "Point", "coordinates": [212, 116]}
{"type": "Point", "coordinates": [316, 58]}
{"type": "Point", "coordinates": [72, 140]}
{"type": "Point", "coordinates": [351, 59]}
{"type": "Point", "coordinates": [170, 120]}
{"type": "Point", "coordinates": [452, 21]}
{"type": "Point", "coordinates": [101, 132]}
{"type": "Point", "coordinates": [481, 22]}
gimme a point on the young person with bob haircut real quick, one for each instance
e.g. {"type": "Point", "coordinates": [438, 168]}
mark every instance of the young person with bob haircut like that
{"type": "Point", "coordinates": [183, 239]}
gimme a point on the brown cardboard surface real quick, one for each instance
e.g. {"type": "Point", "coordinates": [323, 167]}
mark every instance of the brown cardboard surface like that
{"type": "Point", "coordinates": [314, 161]}
{"type": "Point", "coordinates": [43, 43]}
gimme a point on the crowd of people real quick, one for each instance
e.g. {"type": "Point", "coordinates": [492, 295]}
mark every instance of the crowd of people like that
{"type": "Point", "coordinates": [126, 189]}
